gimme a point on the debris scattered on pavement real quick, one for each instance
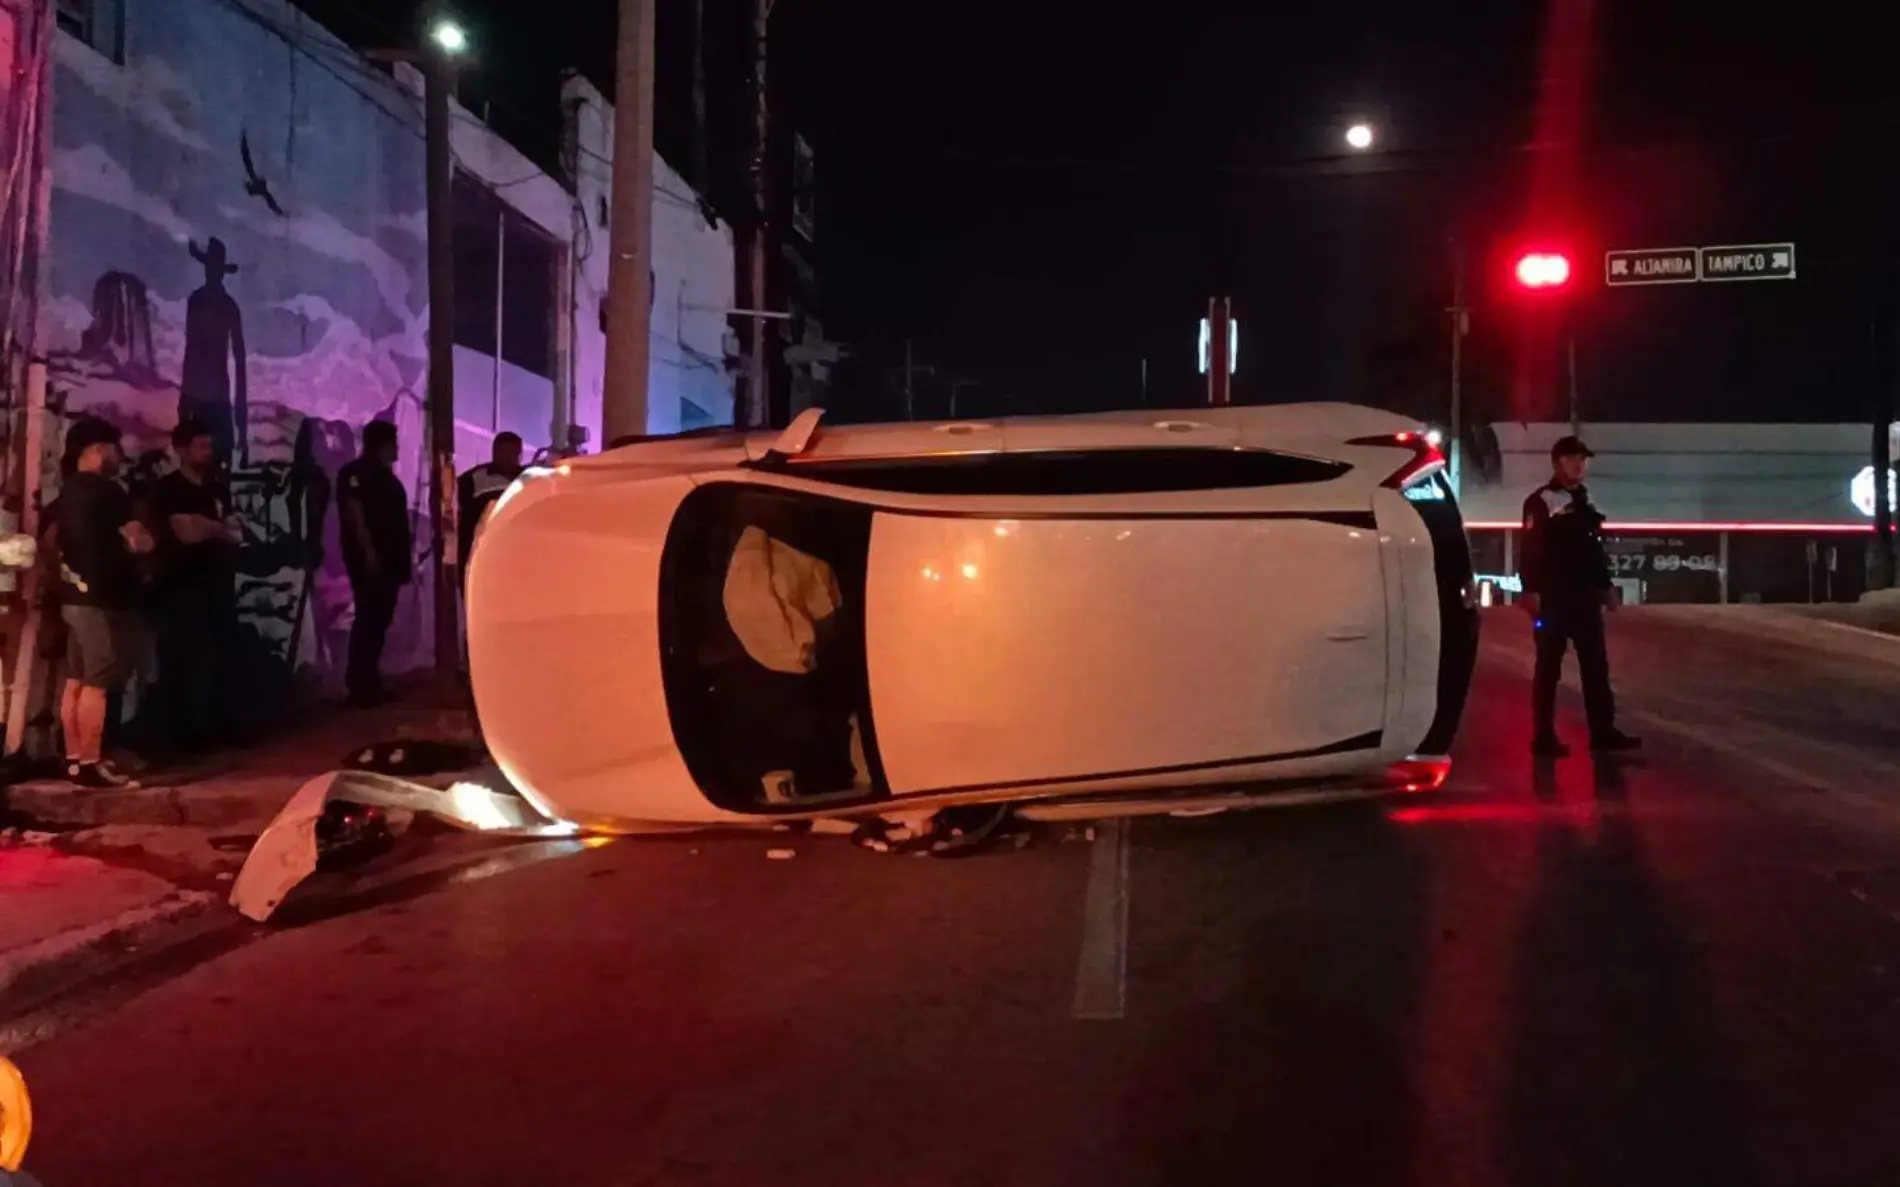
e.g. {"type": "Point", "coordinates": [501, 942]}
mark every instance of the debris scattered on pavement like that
{"type": "Point", "coordinates": [952, 832]}
{"type": "Point", "coordinates": [781, 854]}
{"type": "Point", "coordinates": [414, 758]}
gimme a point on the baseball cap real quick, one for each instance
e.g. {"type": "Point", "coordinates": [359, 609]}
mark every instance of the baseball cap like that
{"type": "Point", "coordinates": [1570, 447]}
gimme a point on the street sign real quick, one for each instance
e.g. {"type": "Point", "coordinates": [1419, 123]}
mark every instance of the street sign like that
{"type": "Point", "coordinates": [1687, 265]}
{"type": "Point", "coordinates": [1652, 265]}
{"type": "Point", "coordinates": [1748, 261]}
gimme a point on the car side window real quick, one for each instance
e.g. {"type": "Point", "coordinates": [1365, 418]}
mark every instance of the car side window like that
{"type": "Point", "coordinates": [1073, 472]}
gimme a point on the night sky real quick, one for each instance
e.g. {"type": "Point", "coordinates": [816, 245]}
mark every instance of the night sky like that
{"type": "Point", "coordinates": [1042, 195]}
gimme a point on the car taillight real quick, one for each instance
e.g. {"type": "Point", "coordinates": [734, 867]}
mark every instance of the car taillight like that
{"type": "Point", "coordinates": [1425, 456]}
{"type": "Point", "coordinates": [1418, 774]}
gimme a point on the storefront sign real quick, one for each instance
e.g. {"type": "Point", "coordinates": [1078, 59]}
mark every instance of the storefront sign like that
{"type": "Point", "coordinates": [1670, 568]}
{"type": "Point", "coordinates": [1861, 491]}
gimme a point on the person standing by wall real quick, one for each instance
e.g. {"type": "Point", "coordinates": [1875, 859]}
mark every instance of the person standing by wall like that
{"type": "Point", "coordinates": [198, 594]}
{"type": "Point", "coordinates": [1567, 588]}
{"type": "Point", "coordinates": [99, 537]}
{"type": "Point", "coordinates": [377, 552]}
{"type": "Point", "coordinates": [481, 486]}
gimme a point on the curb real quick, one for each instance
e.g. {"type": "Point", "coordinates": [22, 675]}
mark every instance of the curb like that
{"type": "Point", "coordinates": [32, 975]}
{"type": "Point", "coordinates": [187, 805]}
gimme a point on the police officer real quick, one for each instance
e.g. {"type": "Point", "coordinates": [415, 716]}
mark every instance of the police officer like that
{"type": "Point", "coordinates": [377, 552]}
{"type": "Point", "coordinates": [478, 489]}
{"type": "Point", "coordinates": [1566, 589]}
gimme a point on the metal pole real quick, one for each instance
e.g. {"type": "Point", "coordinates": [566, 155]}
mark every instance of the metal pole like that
{"type": "Point", "coordinates": [910, 406]}
{"type": "Point", "coordinates": [1721, 567]}
{"type": "Point", "coordinates": [1457, 367]}
{"type": "Point", "coordinates": [1882, 360]}
{"type": "Point", "coordinates": [1219, 315]}
{"type": "Point", "coordinates": [438, 78]}
{"type": "Point", "coordinates": [630, 268]}
{"type": "Point", "coordinates": [1576, 424]}
{"type": "Point", "coordinates": [758, 400]}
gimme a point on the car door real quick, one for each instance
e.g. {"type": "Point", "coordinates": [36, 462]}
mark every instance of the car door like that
{"type": "Point", "coordinates": [1064, 615]}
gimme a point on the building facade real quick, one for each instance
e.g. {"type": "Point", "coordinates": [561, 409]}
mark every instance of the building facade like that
{"type": "Point", "coordinates": [1697, 512]}
{"type": "Point", "coordinates": [238, 233]}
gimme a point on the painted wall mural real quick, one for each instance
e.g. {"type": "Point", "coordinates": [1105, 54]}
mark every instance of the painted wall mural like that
{"type": "Point", "coordinates": [237, 236]}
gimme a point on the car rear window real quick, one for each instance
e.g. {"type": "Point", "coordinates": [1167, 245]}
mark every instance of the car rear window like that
{"type": "Point", "coordinates": [1074, 472]}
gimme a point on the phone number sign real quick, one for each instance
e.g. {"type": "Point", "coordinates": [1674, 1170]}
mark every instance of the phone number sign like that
{"type": "Point", "coordinates": [1672, 569]}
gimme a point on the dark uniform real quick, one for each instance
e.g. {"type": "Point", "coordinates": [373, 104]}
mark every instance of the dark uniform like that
{"type": "Point", "coordinates": [375, 488]}
{"type": "Point", "coordinates": [198, 646]}
{"type": "Point", "coordinates": [1566, 567]}
{"type": "Point", "coordinates": [476, 491]}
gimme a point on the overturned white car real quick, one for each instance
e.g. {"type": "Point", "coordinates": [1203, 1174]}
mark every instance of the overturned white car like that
{"type": "Point", "coordinates": [1113, 612]}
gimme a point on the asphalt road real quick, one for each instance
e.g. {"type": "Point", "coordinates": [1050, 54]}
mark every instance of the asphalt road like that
{"type": "Point", "coordinates": [1678, 970]}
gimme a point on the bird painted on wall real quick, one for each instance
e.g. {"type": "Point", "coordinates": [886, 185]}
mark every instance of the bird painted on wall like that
{"type": "Point", "coordinates": [254, 185]}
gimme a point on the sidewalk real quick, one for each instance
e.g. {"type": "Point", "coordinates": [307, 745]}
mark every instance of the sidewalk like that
{"type": "Point", "coordinates": [92, 879]}
{"type": "Point", "coordinates": [1866, 630]}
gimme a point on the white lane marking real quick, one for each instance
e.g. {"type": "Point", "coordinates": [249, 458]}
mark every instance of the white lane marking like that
{"type": "Point", "coordinates": [1101, 973]}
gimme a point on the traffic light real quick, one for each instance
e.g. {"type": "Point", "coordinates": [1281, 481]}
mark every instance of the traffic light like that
{"type": "Point", "coordinates": [1545, 270]}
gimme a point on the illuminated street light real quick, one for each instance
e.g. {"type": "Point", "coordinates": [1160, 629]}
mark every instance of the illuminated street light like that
{"type": "Point", "coordinates": [449, 37]}
{"type": "Point", "coordinates": [1359, 137]}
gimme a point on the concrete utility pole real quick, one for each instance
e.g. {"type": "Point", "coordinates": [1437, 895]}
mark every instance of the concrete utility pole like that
{"type": "Point", "coordinates": [630, 241]}
{"type": "Point", "coordinates": [1460, 326]}
{"type": "Point", "coordinates": [438, 72]}
{"type": "Point", "coordinates": [910, 399]}
{"type": "Point", "coordinates": [758, 406]}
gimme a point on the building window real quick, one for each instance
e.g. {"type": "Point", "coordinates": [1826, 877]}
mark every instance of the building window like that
{"type": "Point", "coordinates": [98, 23]}
{"type": "Point", "coordinates": [507, 274]}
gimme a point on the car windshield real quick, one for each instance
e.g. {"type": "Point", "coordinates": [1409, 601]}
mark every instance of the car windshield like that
{"type": "Point", "coordinates": [762, 638]}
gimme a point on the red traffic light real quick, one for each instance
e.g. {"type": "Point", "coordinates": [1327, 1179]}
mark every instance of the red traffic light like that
{"type": "Point", "coordinates": [1543, 270]}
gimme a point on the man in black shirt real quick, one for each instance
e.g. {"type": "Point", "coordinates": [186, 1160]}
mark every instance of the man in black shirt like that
{"type": "Point", "coordinates": [99, 592]}
{"type": "Point", "coordinates": [198, 571]}
{"type": "Point", "coordinates": [1566, 589]}
{"type": "Point", "coordinates": [481, 486]}
{"type": "Point", "coordinates": [376, 551]}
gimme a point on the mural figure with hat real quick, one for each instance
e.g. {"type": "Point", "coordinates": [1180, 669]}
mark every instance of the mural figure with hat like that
{"type": "Point", "coordinates": [214, 388]}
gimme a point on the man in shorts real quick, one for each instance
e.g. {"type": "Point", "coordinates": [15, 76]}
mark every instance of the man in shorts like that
{"type": "Point", "coordinates": [99, 591]}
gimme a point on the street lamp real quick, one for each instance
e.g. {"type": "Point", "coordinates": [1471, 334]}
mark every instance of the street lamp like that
{"type": "Point", "coordinates": [1359, 137]}
{"type": "Point", "coordinates": [449, 37]}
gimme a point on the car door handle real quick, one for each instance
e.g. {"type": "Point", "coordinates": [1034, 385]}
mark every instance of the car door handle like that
{"type": "Point", "coordinates": [1346, 634]}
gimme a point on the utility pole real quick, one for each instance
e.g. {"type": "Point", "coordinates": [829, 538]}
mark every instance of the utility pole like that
{"type": "Point", "coordinates": [758, 404]}
{"type": "Point", "coordinates": [910, 401]}
{"type": "Point", "coordinates": [438, 80]}
{"type": "Point", "coordinates": [702, 179]}
{"type": "Point", "coordinates": [1576, 424]}
{"type": "Point", "coordinates": [1881, 339]}
{"type": "Point", "coordinates": [630, 269]}
{"type": "Point", "coordinates": [1460, 326]}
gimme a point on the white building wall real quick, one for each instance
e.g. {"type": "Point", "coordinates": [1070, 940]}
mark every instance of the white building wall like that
{"type": "Point", "coordinates": [1687, 473]}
